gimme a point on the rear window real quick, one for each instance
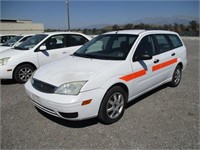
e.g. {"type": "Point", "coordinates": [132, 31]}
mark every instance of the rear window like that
{"type": "Point", "coordinates": [175, 41]}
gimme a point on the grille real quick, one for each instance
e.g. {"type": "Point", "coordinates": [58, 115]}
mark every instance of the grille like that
{"type": "Point", "coordinates": [43, 87]}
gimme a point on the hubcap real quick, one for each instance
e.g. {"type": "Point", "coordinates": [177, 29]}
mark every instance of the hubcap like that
{"type": "Point", "coordinates": [177, 76]}
{"type": "Point", "coordinates": [25, 73]}
{"type": "Point", "coordinates": [115, 105]}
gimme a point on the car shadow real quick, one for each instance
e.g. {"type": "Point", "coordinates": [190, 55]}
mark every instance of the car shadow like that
{"type": "Point", "coordinates": [90, 122]}
{"type": "Point", "coordinates": [68, 123]}
{"type": "Point", "coordinates": [7, 81]}
{"type": "Point", "coordinates": [138, 99]}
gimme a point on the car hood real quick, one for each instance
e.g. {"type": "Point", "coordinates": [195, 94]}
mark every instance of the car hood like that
{"type": "Point", "coordinates": [71, 69]}
{"type": "Point", "coordinates": [2, 48]}
{"type": "Point", "coordinates": [10, 53]}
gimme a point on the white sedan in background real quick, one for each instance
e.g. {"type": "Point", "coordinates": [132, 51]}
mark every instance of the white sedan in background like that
{"type": "Point", "coordinates": [20, 62]}
{"type": "Point", "coordinates": [11, 43]}
{"type": "Point", "coordinates": [5, 37]}
{"type": "Point", "coordinates": [103, 75]}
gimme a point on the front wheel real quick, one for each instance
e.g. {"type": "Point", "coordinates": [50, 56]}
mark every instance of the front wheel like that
{"type": "Point", "coordinates": [113, 105]}
{"type": "Point", "coordinates": [23, 73]}
{"type": "Point", "coordinates": [176, 78]}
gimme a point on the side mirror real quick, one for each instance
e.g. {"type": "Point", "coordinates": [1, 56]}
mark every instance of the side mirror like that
{"type": "Point", "coordinates": [143, 57]}
{"type": "Point", "coordinates": [43, 48]}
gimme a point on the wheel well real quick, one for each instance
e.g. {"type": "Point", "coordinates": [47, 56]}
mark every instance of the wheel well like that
{"type": "Point", "coordinates": [23, 64]}
{"type": "Point", "coordinates": [181, 65]}
{"type": "Point", "coordinates": [123, 86]}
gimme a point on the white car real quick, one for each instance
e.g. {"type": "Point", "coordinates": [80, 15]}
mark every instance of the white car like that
{"type": "Point", "coordinates": [11, 43]}
{"type": "Point", "coordinates": [20, 62]}
{"type": "Point", "coordinates": [103, 75]}
{"type": "Point", "coordinates": [5, 37]}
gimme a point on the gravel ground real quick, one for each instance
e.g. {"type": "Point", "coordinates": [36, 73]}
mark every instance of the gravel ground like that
{"type": "Point", "coordinates": [165, 118]}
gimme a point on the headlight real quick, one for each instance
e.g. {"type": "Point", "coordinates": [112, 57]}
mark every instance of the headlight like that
{"type": "Point", "coordinates": [71, 88]}
{"type": "Point", "coordinates": [4, 61]}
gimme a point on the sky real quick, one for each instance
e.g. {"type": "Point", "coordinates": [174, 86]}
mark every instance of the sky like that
{"type": "Point", "coordinates": [83, 13]}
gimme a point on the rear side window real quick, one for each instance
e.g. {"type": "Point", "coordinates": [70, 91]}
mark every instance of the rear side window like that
{"type": "Point", "coordinates": [175, 41]}
{"type": "Point", "coordinates": [163, 43]}
{"type": "Point", "coordinates": [75, 40]}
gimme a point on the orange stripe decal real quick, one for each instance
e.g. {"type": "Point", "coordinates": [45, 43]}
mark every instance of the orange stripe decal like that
{"type": "Point", "coordinates": [133, 75]}
{"type": "Point", "coordinates": [165, 64]}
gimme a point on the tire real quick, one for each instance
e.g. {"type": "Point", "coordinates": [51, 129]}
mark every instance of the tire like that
{"type": "Point", "coordinates": [176, 78]}
{"type": "Point", "coordinates": [113, 105]}
{"type": "Point", "coordinates": [23, 72]}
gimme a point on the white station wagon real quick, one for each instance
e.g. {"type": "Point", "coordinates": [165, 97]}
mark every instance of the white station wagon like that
{"type": "Point", "coordinates": [107, 72]}
{"type": "Point", "coordinates": [20, 62]}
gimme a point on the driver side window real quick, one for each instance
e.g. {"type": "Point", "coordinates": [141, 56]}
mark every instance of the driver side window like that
{"type": "Point", "coordinates": [146, 46]}
{"type": "Point", "coordinates": [55, 42]}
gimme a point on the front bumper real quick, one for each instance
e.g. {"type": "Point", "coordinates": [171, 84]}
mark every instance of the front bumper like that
{"type": "Point", "coordinates": [6, 72]}
{"type": "Point", "coordinates": [66, 106]}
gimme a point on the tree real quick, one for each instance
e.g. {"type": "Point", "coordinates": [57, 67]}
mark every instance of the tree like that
{"type": "Point", "coordinates": [128, 26]}
{"type": "Point", "coordinates": [193, 25]}
{"type": "Point", "coordinates": [182, 27]}
{"type": "Point", "coordinates": [115, 27]}
{"type": "Point", "coordinates": [85, 31]}
{"type": "Point", "coordinates": [94, 31]}
{"type": "Point", "coordinates": [176, 27]}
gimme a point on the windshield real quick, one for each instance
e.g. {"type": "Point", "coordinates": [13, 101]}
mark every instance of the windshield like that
{"type": "Point", "coordinates": [109, 46]}
{"type": "Point", "coordinates": [12, 41]}
{"type": "Point", "coordinates": [31, 42]}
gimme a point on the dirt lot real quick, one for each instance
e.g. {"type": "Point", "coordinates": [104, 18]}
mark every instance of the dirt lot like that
{"type": "Point", "coordinates": [166, 118]}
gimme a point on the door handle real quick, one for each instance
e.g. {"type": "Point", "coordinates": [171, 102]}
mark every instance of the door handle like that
{"type": "Point", "coordinates": [173, 54]}
{"type": "Point", "coordinates": [64, 52]}
{"type": "Point", "coordinates": [156, 61]}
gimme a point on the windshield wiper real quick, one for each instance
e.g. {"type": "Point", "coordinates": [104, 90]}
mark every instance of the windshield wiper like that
{"type": "Point", "coordinates": [86, 55]}
{"type": "Point", "coordinates": [19, 48]}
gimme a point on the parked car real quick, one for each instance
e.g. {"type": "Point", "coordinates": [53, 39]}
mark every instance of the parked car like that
{"type": "Point", "coordinates": [5, 37]}
{"type": "Point", "coordinates": [103, 75]}
{"type": "Point", "coordinates": [11, 43]}
{"type": "Point", "coordinates": [20, 62]}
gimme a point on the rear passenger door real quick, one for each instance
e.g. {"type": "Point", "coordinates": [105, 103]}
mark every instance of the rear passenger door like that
{"type": "Point", "coordinates": [165, 61]}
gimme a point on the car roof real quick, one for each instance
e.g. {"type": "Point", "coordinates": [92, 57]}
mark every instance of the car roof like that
{"type": "Point", "coordinates": [54, 33]}
{"type": "Point", "coordinates": [137, 32]}
{"type": "Point", "coordinates": [26, 35]}
{"type": "Point", "coordinates": [7, 34]}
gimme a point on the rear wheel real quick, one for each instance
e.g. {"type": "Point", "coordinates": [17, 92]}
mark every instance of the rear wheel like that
{"type": "Point", "coordinates": [176, 78]}
{"type": "Point", "coordinates": [23, 73]}
{"type": "Point", "coordinates": [113, 105]}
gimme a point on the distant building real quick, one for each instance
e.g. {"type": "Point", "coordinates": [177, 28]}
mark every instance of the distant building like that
{"type": "Point", "coordinates": [11, 26]}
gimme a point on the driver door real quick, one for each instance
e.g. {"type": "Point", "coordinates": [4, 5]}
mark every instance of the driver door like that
{"type": "Point", "coordinates": [55, 49]}
{"type": "Point", "coordinates": [142, 69]}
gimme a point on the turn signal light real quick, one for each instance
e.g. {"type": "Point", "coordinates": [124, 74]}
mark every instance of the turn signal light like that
{"type": "Point", "coordinates": [86, 102]}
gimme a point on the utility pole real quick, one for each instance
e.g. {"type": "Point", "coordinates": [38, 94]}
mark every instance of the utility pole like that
{"type": "Point", "coordinates": [67, 2]}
